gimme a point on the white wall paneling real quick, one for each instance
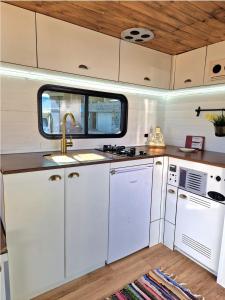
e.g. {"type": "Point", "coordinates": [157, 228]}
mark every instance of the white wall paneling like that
{"type": "Point", "coordinates": [20, 123]}
{"type": "Point", "coordinates": [174, 113]}
{"type": "Point", "coordinates": [180, 119]}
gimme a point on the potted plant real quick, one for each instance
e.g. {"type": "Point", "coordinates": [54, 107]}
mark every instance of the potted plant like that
{"type": "Point", "coordinates": [218, 122]}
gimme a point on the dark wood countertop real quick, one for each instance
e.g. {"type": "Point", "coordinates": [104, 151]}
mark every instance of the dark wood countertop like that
{"type": "Point", "coordinates": [35, 161]}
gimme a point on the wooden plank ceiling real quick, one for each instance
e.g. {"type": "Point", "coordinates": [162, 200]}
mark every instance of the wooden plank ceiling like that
{"type": "Point", "coordinates": [179, 26]}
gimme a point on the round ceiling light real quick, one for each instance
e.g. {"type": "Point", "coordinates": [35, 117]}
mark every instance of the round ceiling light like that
{"type": "Point", "coordinates": [138, 35]}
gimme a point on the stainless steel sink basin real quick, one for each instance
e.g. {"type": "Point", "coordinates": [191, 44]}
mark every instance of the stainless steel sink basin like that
{"type": "Point", "coordinates": [72, 158]}
{"type": "Point", "coordinates": [88, 157]}
{"type": "Point", "coordinates": [60, 159]}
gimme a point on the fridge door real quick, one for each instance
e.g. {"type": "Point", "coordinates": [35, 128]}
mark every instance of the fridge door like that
{"type": "Point", "coordinates": [129, 212]}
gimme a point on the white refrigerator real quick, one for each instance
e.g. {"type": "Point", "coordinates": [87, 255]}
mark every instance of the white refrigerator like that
{"type": "Point", "coordinates": [129, 211]}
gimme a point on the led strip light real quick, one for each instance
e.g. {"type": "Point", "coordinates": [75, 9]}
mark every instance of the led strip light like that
{"type": "Point", "coordinates": [83, 82]}
{"type": "Point", "coordinates": [100, 84]}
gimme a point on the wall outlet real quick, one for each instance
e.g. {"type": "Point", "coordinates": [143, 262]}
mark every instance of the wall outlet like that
{"type": "Point", "coordinates": [146, 135]}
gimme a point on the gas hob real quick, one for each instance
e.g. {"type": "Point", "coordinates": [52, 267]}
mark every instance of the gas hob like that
{"type": "Point", "coordinates": [122, 151]}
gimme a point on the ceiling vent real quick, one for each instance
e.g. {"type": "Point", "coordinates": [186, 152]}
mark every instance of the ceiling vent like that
{"type": "Point", "coordinates": [137, 35]}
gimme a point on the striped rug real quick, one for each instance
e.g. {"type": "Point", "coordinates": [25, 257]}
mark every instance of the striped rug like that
{"type": "Point", "coordinates": [156, 285]}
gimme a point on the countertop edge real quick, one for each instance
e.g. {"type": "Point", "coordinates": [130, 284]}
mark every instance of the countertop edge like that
{"type": "Point", "coordinates": [114, 159]}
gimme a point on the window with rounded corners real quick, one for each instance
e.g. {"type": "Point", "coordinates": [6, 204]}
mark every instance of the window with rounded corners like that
{"type": "Point", "coordinates": [97, 114]}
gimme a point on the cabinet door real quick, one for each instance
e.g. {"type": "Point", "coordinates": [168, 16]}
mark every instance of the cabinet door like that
{"type": "Point", "coordinates": [140, 65]}
{"type": "Point", "coordinates": [199, 227]}
{"type": "Point", "coordinates": [157, 189]}
{"type": "Point", "coordinates": [215, 64]}
{"type": "Point", "coordinates": [190, 67]}
{"type": "Point", "coordinates": [34, 215]}
{"type": "Point", "coordinates": [154, 233]}
{"type": "Point", "coordinates": [87, 198]}
{"type": "Point", "coordinates": [18, 37]}
{"type": "Point", "coordinates": [171, 204]}
{"type": "Point", "coordinates": [169, 232]}
{"type": "Point", "coordinates": [73, 49]}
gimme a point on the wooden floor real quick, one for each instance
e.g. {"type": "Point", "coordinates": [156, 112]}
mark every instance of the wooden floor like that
{"type": "Point", "coordinates": [106, 280]}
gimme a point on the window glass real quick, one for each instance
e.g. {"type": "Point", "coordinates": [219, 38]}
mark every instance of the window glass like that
{"type": "Point", "coordinates": [97, 114]}
{"type": "Point", "coordinates": [55, 105]}
{"type": "Point", "coordinates": [104, 115]}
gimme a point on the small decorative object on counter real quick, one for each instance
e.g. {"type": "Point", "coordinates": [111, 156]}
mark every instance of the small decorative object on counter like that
{"type": "Point", "coordinates": [218, 122]}
{"type": "Point", "coordinates": [187, 150]}
{"type": "Point", "coordinates": [195, 142]}
{"type": "Point", "coordinates": [156, 139]}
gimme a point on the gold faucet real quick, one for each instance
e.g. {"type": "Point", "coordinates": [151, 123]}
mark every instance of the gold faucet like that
{"type": "Point", "coordinates": [64, 142]}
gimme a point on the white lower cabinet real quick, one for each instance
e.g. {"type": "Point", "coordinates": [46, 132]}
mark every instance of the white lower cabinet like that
{"type": "Point", "coordinates": [156, 230]}
{"type": "Point", "coordinates": [154, 233]}
{"type": "Point", "coordinates": [86, 218]}
{"type": "Point", "coordinates": [157, 184]}
{"type": "Point", "coordinates": [171, 204]}
{"type": "Point", "coordinates": [4, 277]}
{"type": "Point", "coordinates": [34, 215]}
{"type": "Point", "coordinates": [170, 216]}
{"type": "Point", "coordinates": [169, 232]}
{"type": "Point", "coordinates": [199, 228]}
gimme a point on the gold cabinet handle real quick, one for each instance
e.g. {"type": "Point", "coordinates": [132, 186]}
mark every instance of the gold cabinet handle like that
{"type": "Point", "coordinates": [158, 163]}
{"type": "Point", "coordinates": [182, 196]}
{"type": "Point", "coordinates": [55, 178]}
{"type": "Point", "coordinates": [171, 191]}
{"type": "Point", "coordinates": [73, 174]}
{"type": "Point", "coordinates": [84, 67]}
{"type": "Point", "coordinates": [147, 78]}
{"type": "Point", "coordinates": [188, 80]}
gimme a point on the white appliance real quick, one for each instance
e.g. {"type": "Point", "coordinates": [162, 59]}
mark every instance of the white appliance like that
{"type": "Point", "coordinates": [199, 227]}
{"type": "Point", "coordinates": [129, 212]}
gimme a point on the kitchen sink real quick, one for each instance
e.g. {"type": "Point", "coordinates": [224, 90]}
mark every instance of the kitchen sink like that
{"type": "Point", "coordinates": [60, 158]}
{"type": "Point", "coordinates": [88, 157]}
{"type": "Point", "coordinates": [72, 158]}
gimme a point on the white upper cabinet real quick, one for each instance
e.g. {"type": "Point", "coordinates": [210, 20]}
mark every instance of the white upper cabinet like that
{"type": "Point", "coordinates": [18, 40]}
{"type": "Point", "coordinates": [144, 66]}
{"type": "Point", "coordinates": [190, 67]}
{"type": "Point", "coordinates": [215, 64]}
{"type": "Point", "coordinates": [69, 48]}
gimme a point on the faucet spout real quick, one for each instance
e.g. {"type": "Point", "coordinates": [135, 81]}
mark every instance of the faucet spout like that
{"type": "Point", "coordinates": [64, 142]}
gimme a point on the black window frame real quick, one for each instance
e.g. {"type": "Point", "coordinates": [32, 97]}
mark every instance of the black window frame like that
{"type": "Point", "coordinates": [86, 93]}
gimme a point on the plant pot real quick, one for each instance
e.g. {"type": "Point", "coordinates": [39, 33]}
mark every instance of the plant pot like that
{"type": "Point", "coordinates": [219, 130]}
